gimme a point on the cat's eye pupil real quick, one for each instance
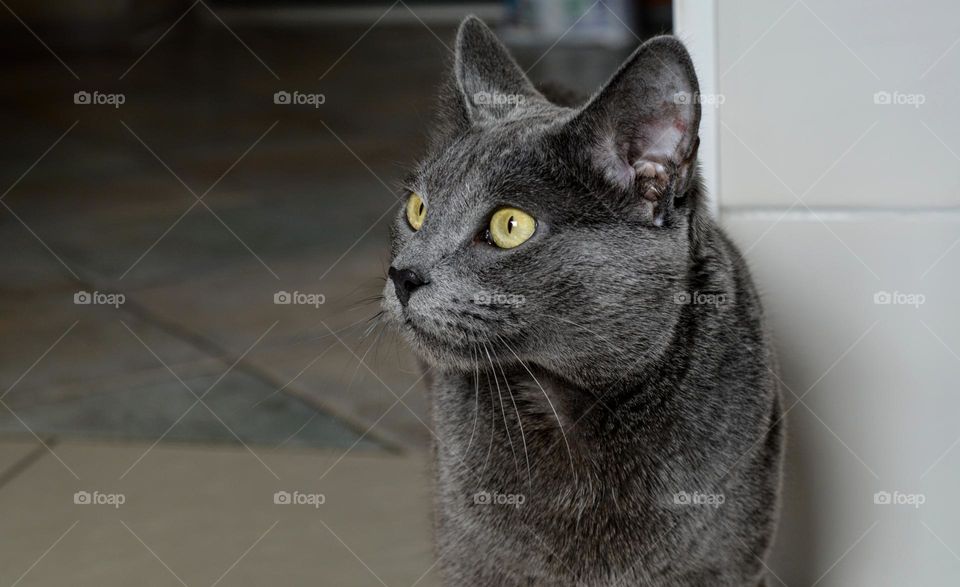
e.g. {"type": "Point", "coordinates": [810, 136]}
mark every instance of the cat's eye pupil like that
{"type": "Point", "coordinates": [510, 227]}
{"type": "Point", "coordinates": [420, 210]}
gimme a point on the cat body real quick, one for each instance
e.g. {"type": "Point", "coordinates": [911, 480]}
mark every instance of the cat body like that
{"type": "Point", "coordinates": [602, 394]}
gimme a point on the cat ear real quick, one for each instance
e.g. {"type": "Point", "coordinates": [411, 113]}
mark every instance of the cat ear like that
{"type": "Point", "coordinates": [491, 84]}
{"type": "Point", "coordinates": [641, 128]}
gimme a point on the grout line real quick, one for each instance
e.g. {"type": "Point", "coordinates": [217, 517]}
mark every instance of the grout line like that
{"type": "Point", "coordinates": [14, 470]}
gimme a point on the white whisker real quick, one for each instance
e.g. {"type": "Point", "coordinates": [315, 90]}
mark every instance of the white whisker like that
{"type": "Point", "coordinates": [493, 421]}
{"type": "Point", "coordinates": [523, 438]}
{"type": "Point", "coordinates": [476, 398]}
{"type": "Point", "coordinates": [573, 468]}
{"type": "Point", "coordinates": [506, 427]}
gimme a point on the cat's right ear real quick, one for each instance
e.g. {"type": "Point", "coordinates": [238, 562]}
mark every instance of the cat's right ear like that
{"type": "Point", "coordinates": [641, 129]}
{"type": "Point", "coordinates": [490, 84]}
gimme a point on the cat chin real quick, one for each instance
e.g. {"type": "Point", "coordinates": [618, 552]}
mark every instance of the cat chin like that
{"type": "Point", "coordinates": [445, 355]}
{"type": "Point", "coordinates": [450, 349]}
{"type": "Point", "coordinates": [442, 356]}
{"type": "Point", "coordinates": [447, 362]}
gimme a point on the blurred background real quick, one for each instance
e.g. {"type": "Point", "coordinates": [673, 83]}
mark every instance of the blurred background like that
{"type": "Point", "coordinates": [194, 199]}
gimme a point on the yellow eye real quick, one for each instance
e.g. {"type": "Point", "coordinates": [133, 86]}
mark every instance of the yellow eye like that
{"type": "Point", "coordinates": [416, 211]}
{"type": "Point", "coordinates": [510, 227]}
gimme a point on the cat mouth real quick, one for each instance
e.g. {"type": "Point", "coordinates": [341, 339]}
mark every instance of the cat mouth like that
{"type": "Point", "coordinates": [430, 338]}
{"type": "Point", "coordinates": [444, 338]}
{"type": "Point", "coordinates": [452, 348]}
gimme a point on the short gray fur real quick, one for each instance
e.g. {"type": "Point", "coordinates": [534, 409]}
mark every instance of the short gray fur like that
{"type": "Point", "coordinates": [613, 372]}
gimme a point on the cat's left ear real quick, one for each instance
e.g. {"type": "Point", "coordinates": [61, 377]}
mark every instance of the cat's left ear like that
{"type": "Point", "coordinates": [490, 83]}
{"type": "Point", "coordinates": [642, 128]}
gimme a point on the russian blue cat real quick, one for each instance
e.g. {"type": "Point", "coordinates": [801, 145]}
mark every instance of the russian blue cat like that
{"type": "Point", "coordinates": [601, 382]}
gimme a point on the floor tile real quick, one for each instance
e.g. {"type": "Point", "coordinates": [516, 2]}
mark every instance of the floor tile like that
{"type": "Point", "coordinates": [79, 347]}
{"type": "Point", "coordinates": [13, 455]}
{"type": "Point", "coordinates": [206, 512]}
{"type": "Point", "coordinates": [237, 408]}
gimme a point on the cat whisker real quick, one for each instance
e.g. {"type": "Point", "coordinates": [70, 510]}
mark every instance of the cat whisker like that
{"type": "Point", "coordinates": [503, 411]}
{"type": "Point", "coordinates": [379, 342]}
{"type": "Point", "coordinates": [374, 322]}
{"type": "Point", "coordinates": [365, 302]}
{"type": "Point", "coordinates": [523, 438]}
{"type": "Point", "coordinates": [360, 361]}
{"type": "Point", "coordinates": [563, 433]}
{"type": "Point", "coordinates": [493, 421]}
{"type": "Point", "coordinates": [345, 328]}
{"type": "Point", "coordinates": [476, 398]}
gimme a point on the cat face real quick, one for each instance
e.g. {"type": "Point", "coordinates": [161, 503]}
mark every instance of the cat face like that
{"type": "Point", "coordinates": [544, 233]}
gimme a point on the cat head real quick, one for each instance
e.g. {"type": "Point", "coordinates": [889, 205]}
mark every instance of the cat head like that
{"type": "Point", "coordinates": [556, 235]}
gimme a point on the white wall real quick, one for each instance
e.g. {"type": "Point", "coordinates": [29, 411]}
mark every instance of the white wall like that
{"type": "Point", "coordinates": [836, 198]}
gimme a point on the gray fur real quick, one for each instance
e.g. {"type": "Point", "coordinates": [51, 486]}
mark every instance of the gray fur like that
{"type": "Point", "coordinates": [588, 386]}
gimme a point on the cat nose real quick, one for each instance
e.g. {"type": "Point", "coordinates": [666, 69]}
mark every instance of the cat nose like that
{"type": "Point", "coordinates": [405, 281]}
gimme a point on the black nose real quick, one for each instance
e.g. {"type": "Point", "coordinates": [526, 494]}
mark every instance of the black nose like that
{"type": "Point", "coordinates": [405, 281]}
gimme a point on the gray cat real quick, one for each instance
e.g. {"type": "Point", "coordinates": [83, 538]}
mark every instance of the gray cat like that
{"type": "Point", "coordinates": [602, 395]}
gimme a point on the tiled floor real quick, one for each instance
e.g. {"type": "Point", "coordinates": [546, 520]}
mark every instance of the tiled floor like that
{"type": "Point", "coordinates": [197, 515]}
